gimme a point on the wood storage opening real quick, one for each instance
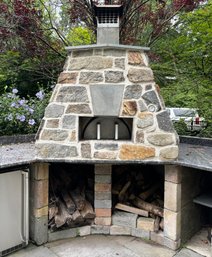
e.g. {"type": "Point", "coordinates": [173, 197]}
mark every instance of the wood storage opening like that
{"type": "Point", "coordinates": [139, 189]}
{"type": "Point", "coordinates": [71, 196]}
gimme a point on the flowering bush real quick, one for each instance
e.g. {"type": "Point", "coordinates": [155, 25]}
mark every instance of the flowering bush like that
{"type": "Point", "coordinates": [19, 115]}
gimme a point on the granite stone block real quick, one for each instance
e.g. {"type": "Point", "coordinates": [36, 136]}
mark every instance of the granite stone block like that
{"type": "Point", "coordinates": [54, 135]}
{"type": "Point", "coordinates": [62, 234]}
{"type": "Point", "coordinates": [135, 152]}
{"type": "Point", "coordinates": [136, 75]}
{"type": "Point", "coordinates": [83, 231]}
{"type": "Point", "coordinates": [86, 150]}
{"type": "Point", "coordinates": [140, 233]}
{"type": "Point", "coordinates": [69, 122]}
{"type": "Point", "coordinates": [124, 219]}
{"type": "Point", "coordinates": [78, 109]}
{"type": "Point", "coordinates": [100, 229]}
{"type": "Point", "coordinates": [54, 111]}
{"type": "Point", "coordinates": [135, 58]}
{"type": "Point", "coordinates": [145, 119]}
{"type": "Point", "coordinates": [150, 97]}
{"type": "Point", "coordinates": [114, 52]}
{"type": "Point", "coordinates": [67, 78]}
{"type": "Point", "coordinates": [170, 152]}
{"type": "Point", "coordinates": [164, 122]}
{"type": "Point", "coordinates": [52, 123]}
{"type": "Point", "coordinates": [114, 76]}
{"type": "Point", "coordinates": [106, 146]}
{"type": "Point", "coordinates": [90, 77]}
{"type": "Point", "coordinates": [82, 53]}
{"type": "Point", "coordinates": [142, 106]}
{"type": "Point", "coordinates": [129, 108]}
{"type": "Point", "coordinates": [120, 230]}
{"type": "Point", "coordinates": [56, 151]}
{"type": "Point", "coordinates": [160, 139]}
{"type": "Point", "coordinates": [105, 155]}
{"type": "Point", "coordinates": [120, 63]}
{"type": "Point", "coordinates": [133, 92]}
{"type": "Point", "coordinates": [90, 63]}
{"type": "Point", "coordinates": [38, 229]}
{"type": "Point", "coordinates": [69, 94]}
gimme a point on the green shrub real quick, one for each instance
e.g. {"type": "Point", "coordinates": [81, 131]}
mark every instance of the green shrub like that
{"type": "Point", "coordinates": [181, 127]}
{"type": "Point", "coordinates": [20, 115]}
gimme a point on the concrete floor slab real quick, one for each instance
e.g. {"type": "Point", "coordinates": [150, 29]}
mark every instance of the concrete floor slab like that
{"type": "Point", "coordinates": [187, 253]}
{"type": "Point", "coordinates": [108, 246]}
{"type": "Point", "coordinates": [95, 246]}
{"type": "Point", "coordinates": [199, 243]}
{"type": "Point", "coordinates": [34, 251]}
{"type": "Point", "coordinates": [103, 246]}
{"type": "Point", "coordinates": [148, 248]}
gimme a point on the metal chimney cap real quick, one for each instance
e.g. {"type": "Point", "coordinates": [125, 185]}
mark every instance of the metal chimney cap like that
{"type": "Point", "coordinates": [107, 7]}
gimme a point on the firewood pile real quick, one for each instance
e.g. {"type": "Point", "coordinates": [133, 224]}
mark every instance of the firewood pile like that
{"type": "Point", "coordinates": [71, 196]}
{"type": "Point", "coordinates": [140, 192]}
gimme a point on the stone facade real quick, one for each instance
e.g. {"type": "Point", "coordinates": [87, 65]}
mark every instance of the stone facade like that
{"type": "Point", "coordinates": [106, 81]}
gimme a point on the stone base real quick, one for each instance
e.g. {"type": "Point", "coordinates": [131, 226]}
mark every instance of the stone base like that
{"type": "Point", "coordinates": [158, 238]}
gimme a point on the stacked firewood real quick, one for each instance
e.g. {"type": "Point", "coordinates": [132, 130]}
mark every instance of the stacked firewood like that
{"type": "Point", "coordinates": [139, 191]}
{"type": "Point", "coordinates": [70, 198]}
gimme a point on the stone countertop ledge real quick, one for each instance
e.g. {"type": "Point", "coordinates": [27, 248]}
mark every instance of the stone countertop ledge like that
{"type": "Point", "coordinates": [190, 155]}
{"type": "Point", "coordinates": [106, 46]}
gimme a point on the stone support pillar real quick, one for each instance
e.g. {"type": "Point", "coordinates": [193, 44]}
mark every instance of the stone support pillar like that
{"type": "Point", "coordinates": [172, 206]}
{"type": "Point", "coordinates": [38, 197]}
{"type": "Point", "coordinates": [103, 202]}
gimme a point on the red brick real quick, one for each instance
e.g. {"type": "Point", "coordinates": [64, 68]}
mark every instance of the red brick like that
{"type": "Point", "coordinates": [102, 187]}
{"type": "Point", "coordinates": [103, 212]}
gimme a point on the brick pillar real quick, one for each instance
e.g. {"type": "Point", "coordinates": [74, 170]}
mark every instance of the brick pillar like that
{"type": "Point", "coordinates": [103, 202]}
{"type": "Point", "coordinates": [172, 206]}
{"type": "Point", "coordinates": [38, 200]}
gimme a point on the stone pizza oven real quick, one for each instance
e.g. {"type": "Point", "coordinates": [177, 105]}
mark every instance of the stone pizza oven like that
{"type": "Point", "coordinates": [106, 106]}
{"type": "Point", "coordinates": [106, 115]}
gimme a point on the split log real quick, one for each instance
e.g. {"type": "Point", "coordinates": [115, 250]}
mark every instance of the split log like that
{"type": "Point", "coordinates": [62, 216]}
{"type": "Point", "coordinates": [77, 217]}
{"type": "Point", "coordinates": [88, 212]}
{"type": "Point", "coordinates": [78, 200]}
{"type": "Point", "coordinates": [162, 224]}
{"type": "Point", "coordinates": [148, 207]}
{"type": "Point", "coordinates": [127, 208]}
{"type": "Point", "coordinates": [145, 195]}
{"type": "Point", "coordinates": [53, 210]}
{"type": "Point", "coordinates": [69, 202]}
{"type": "Point", "coordinates": [157, 224]}
{"type": "Point", "coordinates": [123, 191]}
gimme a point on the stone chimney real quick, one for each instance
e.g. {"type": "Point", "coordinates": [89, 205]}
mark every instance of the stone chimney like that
{"type": "Point", "coordinates": [108, 21]}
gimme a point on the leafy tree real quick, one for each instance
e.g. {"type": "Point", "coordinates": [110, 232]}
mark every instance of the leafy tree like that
{"type": "Point", "coordinates": [32, 53]}
{"type": "Point", "coordinates": [143, 21]}
{"type": "Point", "coordinates": [182, 62]}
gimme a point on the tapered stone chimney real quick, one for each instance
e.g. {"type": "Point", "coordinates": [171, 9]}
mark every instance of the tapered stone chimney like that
{"type": "Point", "coordinates": [108, 23]}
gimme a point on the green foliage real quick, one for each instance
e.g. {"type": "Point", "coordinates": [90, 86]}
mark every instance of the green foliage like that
{"type": "Point", "coordinates": [19, 115]}
{"type": "Point", "coordinates": [80, 36]}
{"type": "Point", "coordinates": [182, 63]}
{"type": "Point", "coordinates": [181, 128]}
